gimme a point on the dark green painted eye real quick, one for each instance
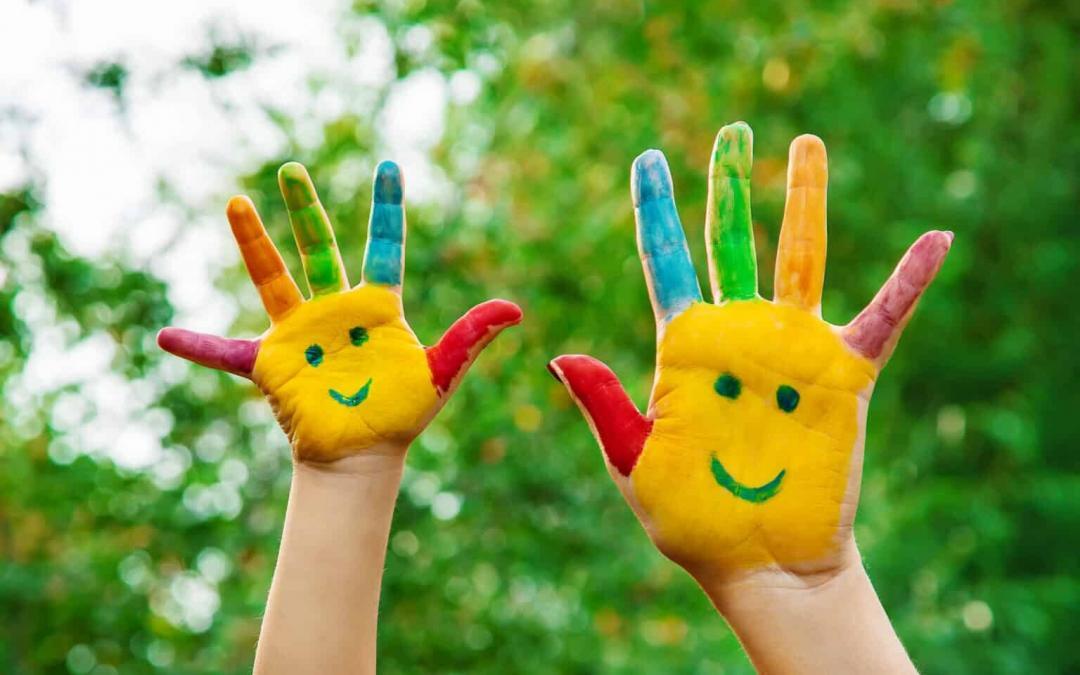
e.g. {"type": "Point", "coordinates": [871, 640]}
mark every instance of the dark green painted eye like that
{"type": "Point", "coordinates": [314, 355]}
{"type": "Point", "coordinates": [358, 335]}
{"type": "Point", "coordinates": [728, 386]}
{"type": "Point", "coordinates": [787, 398]}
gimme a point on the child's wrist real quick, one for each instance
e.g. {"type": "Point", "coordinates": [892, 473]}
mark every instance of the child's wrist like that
{"type": "Point", "coordinates": [825, 620]}
{"type": "Point", "coordinates": [383, 459]}
{"type": "Point", "coordinates": [736, 595]}
{"type": "Point", "coordinates": [354, 495]}
{"type": "Point", "coordinates": [729, 591]}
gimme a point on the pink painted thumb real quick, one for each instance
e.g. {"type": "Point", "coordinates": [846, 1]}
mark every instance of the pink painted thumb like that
{"type": "Point", "coordinates": [233, 356]}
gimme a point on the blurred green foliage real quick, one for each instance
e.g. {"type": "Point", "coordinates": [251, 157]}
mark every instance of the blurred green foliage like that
{"type": "Point", "coordinates": [954, 114]}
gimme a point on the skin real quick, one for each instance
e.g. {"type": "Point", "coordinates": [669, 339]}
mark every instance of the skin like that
{"type": "Point", "coordinates": [745, 469]}
{"type": "Point", "coordinates": [351, 386]}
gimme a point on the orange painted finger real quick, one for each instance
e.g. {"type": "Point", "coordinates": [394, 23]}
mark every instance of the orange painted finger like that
{"type": "Point", "coordinates": [800, 258]}
{"type": "Point", "coordinates": [267, 270]}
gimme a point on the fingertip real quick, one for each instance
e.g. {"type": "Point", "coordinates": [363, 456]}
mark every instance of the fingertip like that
{"type": "Point", "coordinates": [574, 367]}
{"type": "Point", "coordinates": [389, 183]}
{"type": "Point", "coordinates": [922, 261]}
{"type": "Point", "coordinates": [733, 150]}
{"type": "Point", "coordinates": [169, 339]}
{"type": "Point", "coordinates": [943, 240]}
{"type": "Point", "coordinates": [808, 164]}
{"type": "Point", "coordinates": [808, 145]}
{"type": "Point", "coordinates": [553, 368]}
{"type": "Point", "coordinates": [650, 178]}
{"type": "Point", "coordinates": [556, 367]}
{"type": "Point", "coordinates": [493, 316]}
{"type": "Point", "coordinates": [296, 186]}
{"type": "Point", "coordinates": [568, 369]}
{"type": "Point", "coordinates": [292, 171]}
{"type": "Point", "coordinates": [508, 313]}
{"type": "Point", "coordinates": [240, 212]}
{"type": "Point", "coordinates": [564, 361]}
{"type": "Point", "coordinates": [239, 205]}
{"type": "Point", "coordinates": [933, 245]}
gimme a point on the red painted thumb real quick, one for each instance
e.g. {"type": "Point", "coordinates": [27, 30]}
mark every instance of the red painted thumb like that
{"type": "Point", "coordinates": [613, 417]}
{"type": "Point", "coordinates": [455, 351]}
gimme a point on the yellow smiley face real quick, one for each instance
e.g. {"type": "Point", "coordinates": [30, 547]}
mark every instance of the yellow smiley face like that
{"type": "Point", "coordinates": [758, 409]}
{"type": "Point", "coordinates": [344, 372]}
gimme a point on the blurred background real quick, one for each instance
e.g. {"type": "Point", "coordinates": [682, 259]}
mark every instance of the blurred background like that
{"type": "Point", "coordinates": [141, 499]}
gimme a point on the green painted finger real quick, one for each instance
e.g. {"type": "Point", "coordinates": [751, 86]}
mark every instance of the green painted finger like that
{"type": "Point", "coordinates": [319, 253]}
{"type": "Point", "coordinates": [728, 228]}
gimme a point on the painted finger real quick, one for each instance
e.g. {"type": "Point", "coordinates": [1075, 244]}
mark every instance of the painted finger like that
{"type": "Point", "coordinates": [264, 264]}
{"type": "Point", "coordinates": [800, 257]}
{"type": "Point", "coordinates": [614, 419]}
{"type": "Point", "coordinates": [319, 253]}
{"type": "Point", "coordinates": [459, 346]}
{"type": "Point", "coordinates": [232, 356]}
{"type": "Point", "coordinates": [729, 231]}
{"type": "Point", "coordinates": [384, 256]}
{"type": "Point", "coordinates": [669, 272]}
{"type": "Point", "coordinates": [874, 332]}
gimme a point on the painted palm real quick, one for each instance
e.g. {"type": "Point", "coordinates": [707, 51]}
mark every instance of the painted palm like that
{"type": "Point", "coordinates": [342, 370]}
{"type": "Point", "coordinates": [750, 453]}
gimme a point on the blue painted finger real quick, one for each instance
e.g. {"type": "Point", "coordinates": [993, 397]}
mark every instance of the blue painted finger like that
{"type": "Point", "coordinates": [384, 257]}
{"type": "Point", "coordinates": [669, 272]}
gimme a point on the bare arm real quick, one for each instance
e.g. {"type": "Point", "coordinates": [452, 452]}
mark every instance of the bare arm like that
{"type": "Point", "coordinates": [828, 624]}
{"type": "Point", "coordinates": [322, 612]}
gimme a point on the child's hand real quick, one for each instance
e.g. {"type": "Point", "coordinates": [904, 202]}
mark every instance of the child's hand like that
{"type": "Point", "coordinates": [347, 378]}
{"type": "Point", "coordinates": [342, 370]}
{"type": "Point", "coordinates": [750, 456]}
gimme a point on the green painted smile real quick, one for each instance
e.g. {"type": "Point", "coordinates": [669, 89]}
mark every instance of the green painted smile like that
{"type": "Point", "coordinates": [354, 400]}
{"type": "Point", "coordinates": [751, 494]}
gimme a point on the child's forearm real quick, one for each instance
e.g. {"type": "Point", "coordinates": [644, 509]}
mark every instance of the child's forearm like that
{"type": "Point", "coordinates": [322, 612]}
{"type": "Point", "coordinates": [798, 624]}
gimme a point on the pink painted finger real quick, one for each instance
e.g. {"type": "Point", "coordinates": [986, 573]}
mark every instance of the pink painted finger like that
{"type": "Point", "coordinates": [465, 339]}
{"type": "Point", "coordinates": [233, 356]}
{"type": "Point", "coordinates": [613, 417]}
{"type": "Point", "coordinates": [874, 332]}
